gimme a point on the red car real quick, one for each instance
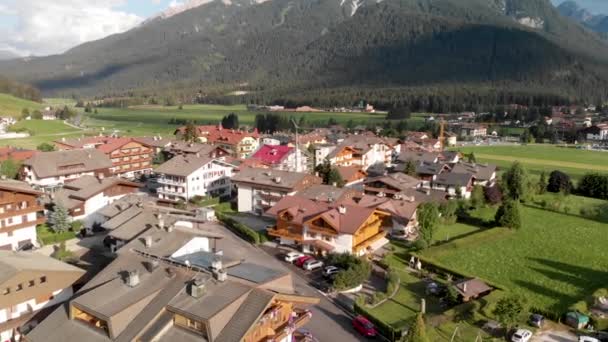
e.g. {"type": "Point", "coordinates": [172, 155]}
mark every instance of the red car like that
{"type": "Point", "coordinates": [364, 326]}
{"type": "Point", "coordinates": [301, 260]}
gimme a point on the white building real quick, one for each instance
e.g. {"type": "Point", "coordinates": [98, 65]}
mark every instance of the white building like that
{"type": "Point", "coordinates": [48, 170]}
{"type": "Point", "coordinates": [29, 283]}
{"type": "Point", "coordinates": [20, 212]}
{"type": "Point", "coordinates": [186, 176]}
{"type": "Point", "coordinates": [322, 151]}
{"type": "Point", "coordinates": [597, 132]}
{"type": "Point", "coordinates": [285, 158]}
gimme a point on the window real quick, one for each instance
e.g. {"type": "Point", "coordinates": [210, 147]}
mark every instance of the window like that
{"type": "Point", "coordinates": [42, 279]}
{"type": "Point", "coordinates": [195, 325]}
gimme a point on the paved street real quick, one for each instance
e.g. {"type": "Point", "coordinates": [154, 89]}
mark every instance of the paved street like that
{"type": "Point", "coordinates": [329, 323]}
{"type": "Point", "coordinates": [554, 336]}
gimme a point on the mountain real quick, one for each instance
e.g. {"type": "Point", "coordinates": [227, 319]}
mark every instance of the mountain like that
{"type": "Point", "coordinates": [318, 50]}
{"type": "Point", "coordinates": [571, 9]}
{"type": "Point", "coordinates": [5, 55]}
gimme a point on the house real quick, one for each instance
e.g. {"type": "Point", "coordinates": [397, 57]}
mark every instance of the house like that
{"type": "Point", "coordinates": [156, 143]}
{"type": "Point", "coordinates": [312, 138]}
{"type": "Point", "coordinates": [471, 289]}
{"type": "Point", "coordinates": [321, 227]}
{"type": "Point", "coordinates": [260, 189]}
{"type": "Point", "coordinates": [6, 122]}
{"type": "Point", "coordinates": [451, 139]}
{"type": "Point", "coordinates": [471, 130]}
{"type": "Point", "coordinates": [49, 114]}
{"type": "Point", "coordinates": [32, 285]}
{"type": "Point", "coordinates": [20, 212]}
{"type": "Point", "coordinates": [428, 172]}
{"type": "Point", "coordinates": [485, 174]}
{"type": "Point", "coordinates": [173, 285]}
{"type": "Point", "coordinates": [328, 193]}
{"type": "Point", "coordinates": [455, 184]}
{"type": "Point", "coordinates": [351, 175]}
{"type": "Point", "coordinates": [85, 196]}
{"type": "Point", "coordinates": [186, 176]}
{"type": "Point", "coordinates": [130, 158]}
{"type": "Point", "coordinates": [282, 157]}
{"type": "Point", "coordinates": [390, 184]}
{"type": "Point", "coordinates": [418, 157]}
{"type": "Point", "coordinates": [48, 170]}
{"type": "Point", "coordinates": [597, 132]}
{"type": "Point", "coordinates": [176, 148]}
{"type": "Point", "coordinates": [15, 154]}
{"type": "Point", "coordinates": [364, 150]}
{"type": "Point", "coordinates": [240, 144]}
{"type": "Point", "coordinates": [322, 152]}
{"type": "Point", "coordinates": [402, 209]}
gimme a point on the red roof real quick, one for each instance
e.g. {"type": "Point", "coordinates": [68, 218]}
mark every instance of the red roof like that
{"type": "Point", "coordinates": [272, 154]}
{"type": "Point", "coordinates": [222, 135]}
{"type": "Point", "coordinates": [9, 152]}
{"type": "Point", "coordinates": [102, 143]}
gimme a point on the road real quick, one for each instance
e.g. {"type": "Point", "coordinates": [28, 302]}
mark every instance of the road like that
{"type": "Point", "coordinates": [328, 324]}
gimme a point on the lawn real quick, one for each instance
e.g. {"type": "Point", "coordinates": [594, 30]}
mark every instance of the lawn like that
{"type": "Point", "coordinates": [12, 106]}
{"type": "Point", "coordinates": [49, 237]}
{"type": "Point", "coordinates": [538, 158]}
{"type": "Point", "coordinates": [554, 260]}
{"type": "Point", "coordinates": [40, 132]}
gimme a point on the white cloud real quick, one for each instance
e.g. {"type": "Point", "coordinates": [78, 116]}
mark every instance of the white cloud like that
{"type": "Point", "coordinates": [54, 26]}
{"type": "Point", "coordinates": [175, 3]}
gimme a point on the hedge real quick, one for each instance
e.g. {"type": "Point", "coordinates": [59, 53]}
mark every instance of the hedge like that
{"type": "Point", "coordinates": [241, 230]}
{"type": "Point", "coordinates": [383, 328]}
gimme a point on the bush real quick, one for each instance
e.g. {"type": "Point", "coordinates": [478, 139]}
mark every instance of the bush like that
{"type": "Point", "coordinates": [392, 282]}
{"type": "Point", "coordinates": [240, 229]}
{"type": "Point", "coordinates": [594, 185]}
{"type": "Point", "coordinates": [493, 194]}
{"type": "Point", "coordinates": [420, 245]}
{"type": "Point", "coordinates": [355, 271]}
{"type": "Point", "coordinates": [559, 182]}
{"type": "Point", "coordinates": [508, 215]}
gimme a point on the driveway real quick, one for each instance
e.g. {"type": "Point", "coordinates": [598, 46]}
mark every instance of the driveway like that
{"type": "Point", "coordinates": [255, 222]}
{"type": "Point", "coordinates": [554, 336]}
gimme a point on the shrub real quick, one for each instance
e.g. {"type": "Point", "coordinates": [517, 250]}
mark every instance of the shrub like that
{"type": "Point", "coordinates": [493, 194]}
{"type": "Point", "coordinates": [383, 328]}
{"type": "Point", "coordinates": [594, 185]}
{"type": "Point", "coordinates": [240, 229]}
{"type": "Point", "coordinates": [420, 245]}
{"type": "Point", "coordinates": [559, 182]}
{"type": "Point", "coordinates": [508, 215]}
{"type": "Point", "coordinates": [355, 271]}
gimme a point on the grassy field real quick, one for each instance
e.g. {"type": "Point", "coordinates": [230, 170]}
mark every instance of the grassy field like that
{"type": "Point", "coordinates": [154, 119]}
{"type": "Point", "coordinates": [40, 132]}
{"type": "Point", "coordinates": [538, 158]}
{"type": "Point", "coordinates": [12, 106]}
{"type": "Point", "coordinates": [59, 102]}
{"type": "Point", "coordinates": [554, 260]}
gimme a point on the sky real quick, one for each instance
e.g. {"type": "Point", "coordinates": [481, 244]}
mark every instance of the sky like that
{"type": "Point", "coordinates": [44, 27]}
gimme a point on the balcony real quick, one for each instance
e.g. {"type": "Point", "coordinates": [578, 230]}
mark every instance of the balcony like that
{"type": "Point", "coordinates": [301, 318]}
{"type": "Point", "coordinates": [285, 234]}
{"type": "Point", "coordinates": [170, 181]}
{"type": "Point", "coordinates": [370, 241]}
{"type": "Point", "coordinates": [171, 192]}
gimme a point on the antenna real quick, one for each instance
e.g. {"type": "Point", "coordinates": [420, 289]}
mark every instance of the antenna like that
{"type": "Point", "coordinates": [295, 125]}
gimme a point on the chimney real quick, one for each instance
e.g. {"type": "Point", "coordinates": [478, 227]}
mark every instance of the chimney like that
{"type": "Point", "coordinates": [342, 209]}
{"type": "Point", "coordinates": [277, 180]}
{"type": "Point", "coordinates": [219, 273]}
{"type": "Point", "coordinates": [464, 287]}
{"type": "Point", "coordinates": [151, 265]}
{"type": "Point", "coordinates": [161, 221]}
{"type": "Point", "coordinates": [133, 278]}
{"type": "Point", "coordinates": [198, 287]}
{"type": "Point", "coordinates": [148, 241]}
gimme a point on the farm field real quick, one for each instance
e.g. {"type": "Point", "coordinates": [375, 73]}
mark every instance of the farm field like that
{"type": "Point", "coordinates": [553, 265]}
{"type": "Point", "coordinates": [539, 158]}
{"type": "Point", "coordinates": [41, 131]}
{"type": "Point", "coordinates": [12, 106]}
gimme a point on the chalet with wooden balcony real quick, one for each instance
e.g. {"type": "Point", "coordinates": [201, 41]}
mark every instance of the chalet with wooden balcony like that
{"type": "Point", "coordinates": [390, 185]}
{"type": "Point", "coordinates": [170, 285]}
{"type": "Point", "coordinates": [130, 158]}
{"type": "Point", "coordinates": [321, 227]}
{"type": "Point", "coordinates": [20, 212]}
{"type": "Point", "coordinates": [239, 143]}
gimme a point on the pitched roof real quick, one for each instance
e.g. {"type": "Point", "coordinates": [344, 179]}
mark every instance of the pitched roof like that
{"type": "Point", "coordinates": [11, 263]}
{"type": "Point", "coordinates": [351, 173]}
{"type": "Point", "coordinates": [326, 193]}
{"type": "Point", "coordinates": [102, 143]}
{"type": "Point", "coordinates": [272, 154]}
{"type": "Point", "coordinates": [480, 171]}
{"type": "Point", "coordinates": [398, 180]}
{"type": "Point", "coordinates": [156, 141]}
{"type": "Point", "coordinates": [14, 153]}
{"type": "Point", "coordinates": [454, 178]}
{"type": "Point", "coordinates": [350, 221]}
{"type": "Point", "coordinates": [76, 192]}
{"type": "Point", "coordinates": [184, 165]}
{"type": "Point", "coordinates": [471, 287]}
{"type": "Point", "coordinates": [275, 178]}
{"type": "Point", "coordinates": [50, 164]}
{"type": "Point", "coordinates": [217, 134]}
{"type": "Point", "coordinates": [178, 146]}
{"type": "Point", "coordinates": [299, 208]}
{"type": "Point", "coordinates": [417, 156]}
{"type": "Point", "coordinates": [18, 186]}
{"type": "Point", "coordinates": [430, 168]}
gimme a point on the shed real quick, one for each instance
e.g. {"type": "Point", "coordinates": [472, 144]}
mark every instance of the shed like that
{"type": "Point", "coordinates": [576, 320]}
{"type": "Point", "coordinates": [472, 289]}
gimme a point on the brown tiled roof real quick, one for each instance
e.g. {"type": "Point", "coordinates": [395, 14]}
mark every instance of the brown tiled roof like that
{"type": "Point", "coordinates": [480, 171]}
{"type": "Point", "coordinates": [351, 173]}
{"type": "Point", "coordinates": [18, 186]}
{"type": "Point", "coordinates": [183, 165]}
{"type": "Point", "coordinates": [349, 222]}
{"type": "Point", "coordinates": [275, 178]}
{"type": "Point", "coordinates": [75, 193]}
{"type": "Point", "coordinates": [300, 208]}
{"type": "Point", "coordinates": [474, 287]}
{"type": "Point", "coordinates": [399, 181]}
{"type": "Point", "coordinates": [48, 164]}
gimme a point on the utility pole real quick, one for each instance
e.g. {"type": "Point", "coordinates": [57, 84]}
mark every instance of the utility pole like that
{"type": "Point", "coordinates": [295, 125]}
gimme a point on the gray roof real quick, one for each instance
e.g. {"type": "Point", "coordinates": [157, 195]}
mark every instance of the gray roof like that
{"type": "Point", "coordinates": [76, 192]}
{"type": "Point", "coordinates": [273, 178]}
{"type": "Point", "coordinates": [248, 313]}
{"type": "Point", "coordinates": [418, 157]}
{"type": "Point", "coordinates": [11, 263]}
{"type": "Point", "coordinates": [429, 168]}
{"type": "Point", "coordinates": [482, 172]}
{"type": "Point", "coordinates": [158, 142]}
{"type": "Point", "coordinates": [399, 181]}
{"type": "Point", "coordinates": [454, 178]}
{"type": "Point", "coordinates": [323, 192]}
{"type": "Point", "coordinates": [179, 146]}
{"type": "Point", "coordinates": [183, 165]}
{"type": "Point", "coordinates": [19, 186]}
{"type": "Point", "coordinates": [49, 164]}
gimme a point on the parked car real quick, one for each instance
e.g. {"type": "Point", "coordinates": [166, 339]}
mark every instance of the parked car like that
{"type": "Point", "coordinates": [537, 320]}
{"type": "Point", "coordinates": [600, 336]}
{"type": "Point", "coordinates": [301, 260]}
{"type": "Point", "coordinates": [330, 271]}
{"type": "Point", "coordinates": [293, 256]}
{"type": "Point", "coordinates": [312, 264]}
{"type": "Point", "coordinates": [587, 339]}
{"type": "Point", "coordinates": [521, 335]}
{"type": "Point", "coordinates": [364, 326]}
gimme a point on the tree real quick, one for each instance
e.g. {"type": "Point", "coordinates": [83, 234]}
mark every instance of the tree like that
{"type": "Point", "coordinates": [25, 113]}
{"type": "Point", "coordinates": [428, 218]}
{"type": "Point", "coordinates": [323, 170]}
{"type": "Point", "coordinates": [515, 181]}
{"type": "Point", "coordinates": [559, 182]}
{"type": "Point", "coordinates": [493, 194]}
{"type": "Point", "coordinates": [410, 168]}
{"type": "Point", "coordinates": [45, 147]}
{"type": "Point", "coordinates": [59, 219]}
{"type": "Point", "coordinates": [10, 168]}
{"type": "Point", "coordinates": [335, 178]}
{"type": "Point", "coordinates": [594, 185]}
{"type": "Point", "coordinates": [88, 108]}
{"type": "Point", "coordinates": [37, 115]}
{"type": "Point", "coordinates": [418, 331]}
{"type": "Point", "coordinates": [478, 197]}
{"type": "Point", "coordinates": [230, 121]}
{"type": "Point", "coordinates": [542, 183]}
{"type": "Point", "coordinates": [399, 113]}
{"type": "Point", "coordinates": [508, 215]}
{"type": "Point", "coordinates": [471, 158]}
{"type": "Point", "coordinates": [190, 134]}
{"type": "Point", "coordinates": [509, 310]}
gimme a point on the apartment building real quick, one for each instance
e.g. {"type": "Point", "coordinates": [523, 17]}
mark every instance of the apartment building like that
{"type": "Point", "coordinates": [282, 157]}
{"type": "Point", "coordinates": [31, 284]}
{"type": "Point", "coordinates": [240, 144]}
{"type": "Point", "coordinates": [49, 170]}
{"type": "Point", "coordinates": [85, 196]}
{"type": "Point", "coordinates": [20, 212]}
{"type": "Point", "coordinates": [186, 176]}
{"type": "Point", "coordinates": [260, 189]}
{"type": "Point", "coordinates": [130, 158]}
{"type": "Point", "coordinates": [171, 285]}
